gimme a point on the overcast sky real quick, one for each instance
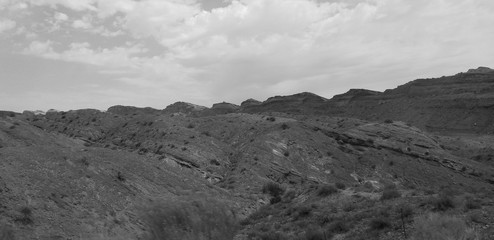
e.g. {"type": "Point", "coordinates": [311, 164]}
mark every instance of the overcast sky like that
{"type": "Point", "coordinates": [72, 54]}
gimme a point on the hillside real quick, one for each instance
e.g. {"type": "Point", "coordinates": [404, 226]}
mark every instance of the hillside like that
{"type": "Point", "coordinates": [362, 165]}
{"type": "Point", "coordinates": [462, 103]}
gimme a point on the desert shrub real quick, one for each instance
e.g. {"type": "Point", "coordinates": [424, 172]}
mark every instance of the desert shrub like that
{"type": "Point", "coordinates": [286, 154]}
{"type": "Point", "coordinates": [261, 213]}
{"type": "Point", "coordinates": [269, 235]}
{"type": "Point", "coordinates": [390, 192]}
{"type": "Point", "coordinates": [440, 227]}
{"type": "Point", "coordinates": [388, 121]}
{"type": "Point", "coordinates": [190, 219]}
{"type": "Point", "coordinates": [303, 211]}
{"type": "Point", "coordinates": [26, 216]}
{"type": "Point", "coordinates": [275, 199]}
{"type": "Point", "coordinates": [191, 125]}
{"type": "Point", "coordinates": [271, 119]}
{"type": "Point", "coordinates": [379, 223]}
{"type": "Point", "coordinates": [441, 203]}
{"type": "Point", "coordinates": [472, 203]}
{"type": "Point", "coordinates": [284, 126]}
{"type": "Point", "coordinates": [316, 233]}
{"type": "Point", "coordinates": [338, 226]}
{"type": "Point", "coordinates": [289, 196]}
{"type": "Point", "coordinates": [214, 162]}
{"type": "Point", "coordinates": [404, 210]}
{"type": "Point", "coordinates": [326, 190]}
{"type": "Point", "coordinates": [120, 177]}
{"type": "Point", "coordinates": [348, 206]}
{"type": "Point", "coordinates": [340, 185]}
{"type": "Point", "coordinates": [273, 189]}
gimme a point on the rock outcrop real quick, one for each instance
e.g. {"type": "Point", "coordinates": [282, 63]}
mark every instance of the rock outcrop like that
{"type": "Point", "coordinates": [184, 107]}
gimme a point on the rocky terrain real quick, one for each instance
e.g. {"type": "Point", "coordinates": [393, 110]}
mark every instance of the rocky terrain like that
{"type": "Point", "coordinates": [361, 165]}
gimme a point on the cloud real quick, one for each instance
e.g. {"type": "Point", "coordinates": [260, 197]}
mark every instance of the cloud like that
{"type": "Point", "coordinates": [81, 52]}
{"type": "Point", "coordinates": [259, 48]}
{"type": "Point", "coordinates": [77, 5]}
{"type": "Point", "coordinates": [6, 25]}
{"type": "Point", "coordinates": [61, 16]}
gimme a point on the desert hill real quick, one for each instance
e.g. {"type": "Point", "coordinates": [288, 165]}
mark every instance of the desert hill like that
{"type": "Point", "coordinates": [285, 168]}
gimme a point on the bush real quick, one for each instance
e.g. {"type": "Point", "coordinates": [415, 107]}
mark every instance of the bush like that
{"type": "Point", "coordinates": [289, 196]}
{"type": "Point", "coordinates": [270, 235]}
{"type": "Point", "coordinates": [303, 211]}
{"type": "Point", "coordinates": [388, 121]}
{"type": "Point", "coordinates": [316, 233]}
{"type": "Point", "coordinates": [471, 203]}
{"type": "Point", "coordinates": [284, 126]}
{"type": "Point", "coordinates": [271, 119]}
{"type": "Point", "coordinates": [404, 210]}
{"type": "Point", "coordinates": [442, 203]}
{"type": "Point", "coordinates": [379, 223]}
{"type": "Point", "coordinates": [273, 189]}
{"type": "Point", "coordinates": [340, 185]}
{"type": "Point", "coordinates": [326, 190]}
{"type": "Point", "coordinates": [390, 193]}
{"type": "Point", "coordinates": [190, 219]}
{"type": "Point", "coordinates": [439, 227]}
{"type": "Point", "coordinates": [26, 216]}
{"type": "Point", "coordinates": [338, 227]}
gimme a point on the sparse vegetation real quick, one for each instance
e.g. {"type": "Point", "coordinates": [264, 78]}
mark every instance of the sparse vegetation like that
{"type": "Point", "coordinates": [275, 190]}
{"type": "Point", "coordinates": [120, 177]}
{"type": "Point", "coordinates": [214, 162]}
{"type": "Point", "coordinates": [316, 233]}
{"type": "Point", "coordinates": [338, 227]}
{"type": "Point", "coordinates": [441, 203]}
{"type": "Point", "coordinates": [390, 192]}
{"type": "Point", "coordinates": [442, 227]}
{"type": "Point", "coordinates": [340, 185]}
{"type": "Point", "coordinates": [326, 190]}
{"type": "Point", "coordinates": [26, 217]}
{"type": "Point", "coordinates": [472, 203]}
{"type": "Point", "coordinates": [190, 219]}
{"type": "Point", "coordinates": [379, 223]}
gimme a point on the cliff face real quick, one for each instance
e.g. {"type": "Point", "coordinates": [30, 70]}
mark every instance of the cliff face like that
{"type": "Point", "coordinates": [183, 107]}
{"type": "Point", "coordinates": [461, 103]}
{"type": "Point", "coordinates": [298, 103]}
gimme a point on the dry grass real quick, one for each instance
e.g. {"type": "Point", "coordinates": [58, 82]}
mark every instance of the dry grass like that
{"type": "Point", "coordinates": [441, 227]}
{"type": "Point", "coordinates": [190, 219]}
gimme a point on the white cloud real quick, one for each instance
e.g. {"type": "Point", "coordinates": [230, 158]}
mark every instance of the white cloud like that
{"type": "Point", "coordinates": [83, 23]}
{"type": "Point", "coordinates": [77, 5]}
{"type": "Point", "coordinates": [81, 52]}
{"type": "Point", "coordinates": [6, 25]}
{"type": "Point", "coordinates": [61, 16]}
{"type": "Point", "coordinates": [42, 49]}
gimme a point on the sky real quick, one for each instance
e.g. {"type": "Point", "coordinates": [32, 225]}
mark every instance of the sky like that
{"type": "Point", "coordinates": [74, 54]}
